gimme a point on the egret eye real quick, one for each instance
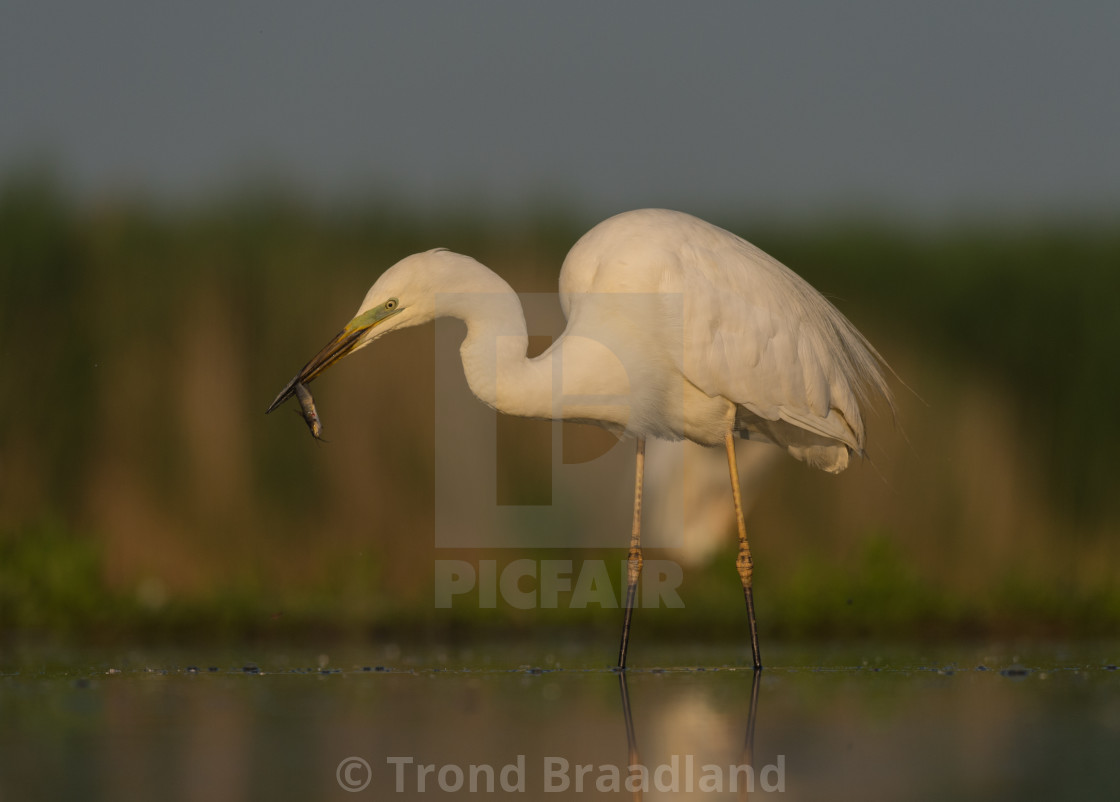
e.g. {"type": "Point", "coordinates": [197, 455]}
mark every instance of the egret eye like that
{"type": "Point", "coordinates": [391, 304]}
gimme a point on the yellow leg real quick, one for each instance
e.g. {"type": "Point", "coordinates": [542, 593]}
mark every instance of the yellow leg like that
{"type": "Point", "coordinates": [743, 561]}
{"type": "Point", "coordinates": [634, 559]}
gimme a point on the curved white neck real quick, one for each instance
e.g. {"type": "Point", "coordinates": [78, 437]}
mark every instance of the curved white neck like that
{"type": "Point", "coordinates": [494, 350]}
{"type": "Point", "coordinates": [575, 379]}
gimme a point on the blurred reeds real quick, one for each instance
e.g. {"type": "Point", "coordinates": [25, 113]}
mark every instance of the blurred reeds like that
{"type": "Point", "coordinates": [144, 493]}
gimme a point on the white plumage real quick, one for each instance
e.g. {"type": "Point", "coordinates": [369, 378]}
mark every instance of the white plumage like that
{"type": "Point", "coordinates": [676, 329]}
{"type": "Point", "coordinates": [754, 333]}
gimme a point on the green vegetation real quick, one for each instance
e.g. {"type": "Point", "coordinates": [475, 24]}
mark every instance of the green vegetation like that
{"type": "Point", "coordinates": [143, 492]}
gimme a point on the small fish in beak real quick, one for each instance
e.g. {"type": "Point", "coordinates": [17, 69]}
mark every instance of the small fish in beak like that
{"type": "Point", "coordinates": [307, 410]}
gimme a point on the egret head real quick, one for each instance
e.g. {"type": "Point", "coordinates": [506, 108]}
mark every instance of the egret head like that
{"type": "Point", "coordinates": [403, 296]}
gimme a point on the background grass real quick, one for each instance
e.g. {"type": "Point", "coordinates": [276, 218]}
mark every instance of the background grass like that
{"type": "Point", "coordinates": [143, 494]}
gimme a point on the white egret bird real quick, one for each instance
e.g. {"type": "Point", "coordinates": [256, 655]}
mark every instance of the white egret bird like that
{"type": "Point", "coordinates": [676, 329]}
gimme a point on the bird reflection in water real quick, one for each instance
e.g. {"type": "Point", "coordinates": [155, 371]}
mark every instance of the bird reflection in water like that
{"type": "Point", "coordinates": [739, 777]}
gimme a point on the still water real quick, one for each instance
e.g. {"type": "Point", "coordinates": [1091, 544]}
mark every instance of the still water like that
{"type": "Point", "coordinates": [389, 721]}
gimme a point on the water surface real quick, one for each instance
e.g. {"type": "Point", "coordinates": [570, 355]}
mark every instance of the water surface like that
{"type": "Point", "coordinates": [864, 721]}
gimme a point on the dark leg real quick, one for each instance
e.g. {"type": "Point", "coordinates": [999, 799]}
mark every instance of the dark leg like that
{"type": "Point", "coordinates": [634, 559]}
{"type": "Point", "coordinates": [748, 743]}
{"type": "Point", "coordinates": [743, 561]}
{"type": "Point", "coordinates": [631, 740]}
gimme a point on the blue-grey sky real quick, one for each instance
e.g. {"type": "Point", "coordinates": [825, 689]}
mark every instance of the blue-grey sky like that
{"type": "Point", "coordinates": [927, 110]}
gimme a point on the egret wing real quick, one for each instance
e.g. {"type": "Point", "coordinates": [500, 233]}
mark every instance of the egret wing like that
{"type": "Point", "coordinates": [759, 335]}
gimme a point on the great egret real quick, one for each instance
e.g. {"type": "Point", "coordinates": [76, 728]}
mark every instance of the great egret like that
{"type": "Point", "coordinates": [676, 329]}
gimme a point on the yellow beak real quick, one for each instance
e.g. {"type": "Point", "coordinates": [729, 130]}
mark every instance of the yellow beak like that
{"type": "Point", "coordinates": [336, 349]}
